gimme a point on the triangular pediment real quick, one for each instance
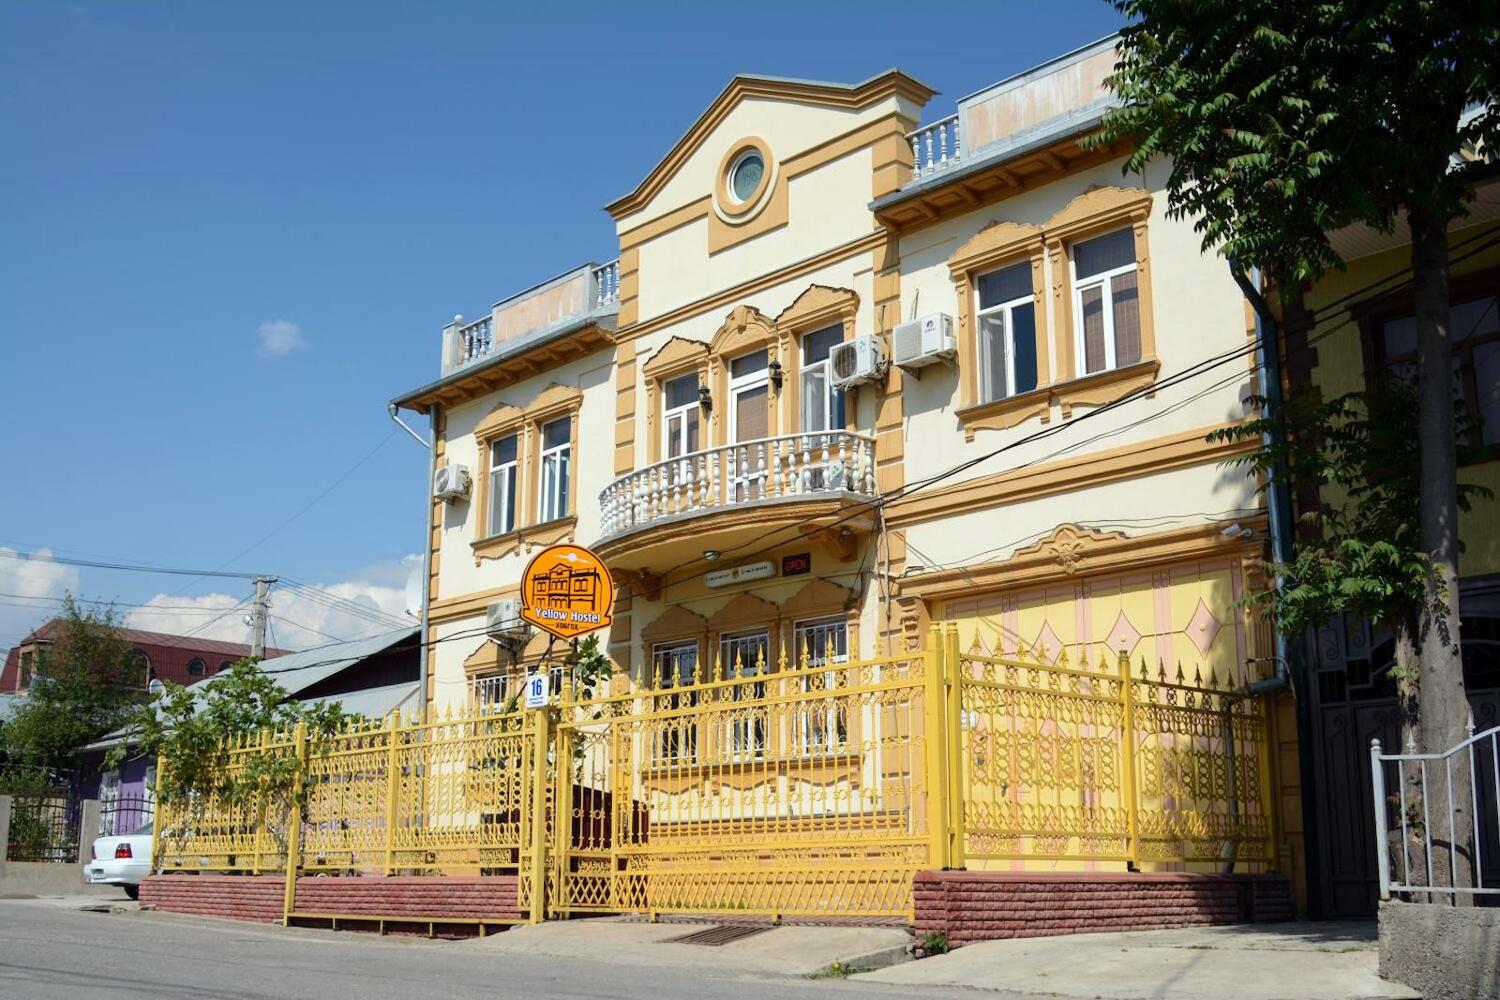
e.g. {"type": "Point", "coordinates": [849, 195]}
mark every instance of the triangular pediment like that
{"type": "Point", "coordinates": [748, 87]}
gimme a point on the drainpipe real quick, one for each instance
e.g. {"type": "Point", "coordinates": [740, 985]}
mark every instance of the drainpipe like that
{"type": "Point", "coordinates": [1291, 670]}
{"type": "Point", "coordinates": [425, 653]}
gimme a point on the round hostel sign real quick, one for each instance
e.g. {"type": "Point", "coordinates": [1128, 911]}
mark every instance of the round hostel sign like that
{"type": "Point", "coordinates": [566, 591]}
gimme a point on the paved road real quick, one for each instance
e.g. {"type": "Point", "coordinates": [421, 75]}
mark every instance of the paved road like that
{"type": "Point", "coordinates": [48, 953]}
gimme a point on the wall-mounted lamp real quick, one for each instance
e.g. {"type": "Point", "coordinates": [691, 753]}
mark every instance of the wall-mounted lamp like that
{"type": "Point", "coordinates": [704, 399]}
{"type": "Point", "coordinates": [776, 374]}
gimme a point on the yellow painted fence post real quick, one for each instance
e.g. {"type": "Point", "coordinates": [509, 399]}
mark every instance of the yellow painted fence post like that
{"type": "Point", "coordinates": [1127, 754]}
{"type": "Point", "coordinates": [392, 786]}
{"type": "Point", "coordinates": [294, 824]}
{"type": "Point", "coordinates": [958, 785]}
{"type": "Point", "coordinates": [541, 743]}
{"type": "Point", "coordinates": [935, 717]}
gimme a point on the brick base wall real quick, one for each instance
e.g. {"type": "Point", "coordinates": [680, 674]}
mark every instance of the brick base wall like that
{"type": "Point", "coordinates": [259, 897]}
{"type": "Point", "coordinates": [982, 906]}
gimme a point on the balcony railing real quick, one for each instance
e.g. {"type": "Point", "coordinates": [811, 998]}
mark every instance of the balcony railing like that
{"type": "Point", "coordinates": [592, 288]}
{"type": "Point", "coordinates": [794, 465]}
{"type": "Point", "coordinates": [935, 147]}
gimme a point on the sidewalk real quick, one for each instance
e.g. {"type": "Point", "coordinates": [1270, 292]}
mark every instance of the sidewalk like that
{"type": "Point", "coordinates": [1306, 961]}
{"type": "Point", "coordinates": [784, 951]}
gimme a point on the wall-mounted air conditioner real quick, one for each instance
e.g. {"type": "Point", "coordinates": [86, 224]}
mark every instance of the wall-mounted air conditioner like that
{"type": "Point", "coordinates": [924, 341]}
{"type": "Point", "coordinates": [859, 360]}
{"type": "Point", "coordinates": [451, 483]}
{"type": "Point", "coordinates": [502, 619]}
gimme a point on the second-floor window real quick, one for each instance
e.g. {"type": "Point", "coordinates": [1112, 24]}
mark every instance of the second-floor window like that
{"type": "Point", "coordinates": [1006, 317]}
{"type": "Point", "coordinates": [822, 404]}
{"type": "Point", "coordinates": [196, 667]}
{"type": "Point", "coordinates": [502, 486]}
{"type": "Point", "coordinates": [1474, 336]}
{"type": "Point", "coordinates": [1105, 302]}
{"type": "Point", "coordinates": [680, 426]}
{"type": "Point", "coordinates": [556, 458]}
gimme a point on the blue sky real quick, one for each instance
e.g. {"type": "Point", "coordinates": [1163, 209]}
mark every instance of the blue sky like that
{"type": "Point", "coordinates": [229, 233]}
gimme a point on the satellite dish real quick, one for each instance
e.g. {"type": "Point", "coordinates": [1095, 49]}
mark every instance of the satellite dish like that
{"type": "Point", "coordinates": [156, 686]}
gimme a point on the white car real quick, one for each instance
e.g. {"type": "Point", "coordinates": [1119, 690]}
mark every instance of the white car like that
{"type": "Point", "coordinates": [121, 861]}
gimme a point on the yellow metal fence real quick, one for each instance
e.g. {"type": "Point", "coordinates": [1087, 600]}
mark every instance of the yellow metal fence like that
{"type": "Point", "coordinates": [812, 788]}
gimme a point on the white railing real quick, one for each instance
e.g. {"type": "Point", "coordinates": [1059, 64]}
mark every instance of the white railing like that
{"type": "Point", "coordinates": [475, 339]}
{"type": "Point", "coordinates": [934, 147]}
{"type": "Point", "coordinates": [1449, 864]}
{"type": "Point", "coordinates": [606, 283]}
{"type": "Point", "coordinates": [794, 465]}
{"type": "Point", "coordinates": [488, 693]}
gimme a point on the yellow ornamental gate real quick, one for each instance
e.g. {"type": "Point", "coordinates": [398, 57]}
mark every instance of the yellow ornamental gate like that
{"type": "Point", "coordinates": [786, 789]}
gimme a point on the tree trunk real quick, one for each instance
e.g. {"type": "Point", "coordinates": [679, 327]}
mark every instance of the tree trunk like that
{"type": "Point", "coordinates": [1443, 707]}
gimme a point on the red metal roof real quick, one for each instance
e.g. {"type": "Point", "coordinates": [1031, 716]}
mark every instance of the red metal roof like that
{"type": "Point", "coordinates": [170, 655]}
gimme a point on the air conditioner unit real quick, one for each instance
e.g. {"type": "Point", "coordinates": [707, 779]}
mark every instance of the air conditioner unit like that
{"type": "Point", "coordinates": [502, 619]}
{"type": "Point", "coordinates": [451, 483]}
{"type": "Point", "coordinates": [859, 360]}
{"type": "Point", "coordinates": [923, 341]}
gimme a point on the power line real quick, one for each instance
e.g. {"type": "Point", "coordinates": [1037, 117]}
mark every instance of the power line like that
{"type": "Point", "coordinates": [128, 567]}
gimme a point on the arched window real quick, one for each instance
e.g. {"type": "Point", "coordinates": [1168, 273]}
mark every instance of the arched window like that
{"type": "Point", "coordinates": [196, 667]}
{"type": "Point", "coordinates": [139, 665]}
{"type": "Point", "coordinates": [223, 667]}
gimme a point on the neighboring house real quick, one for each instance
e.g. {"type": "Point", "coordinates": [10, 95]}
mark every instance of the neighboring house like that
{"type": "Point", "coordinates": [670, 408]}
{"type": "Point", "coordinates": [1353, 696]}
{"type": "Point", "coordinates": [372, 677]}
{"type": "Point", "coordinates": [158, 655]}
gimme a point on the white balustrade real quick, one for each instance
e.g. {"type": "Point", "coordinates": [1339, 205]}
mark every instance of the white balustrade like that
{"type": "Point", "coordinates": [607, 283]}
{"type": "Point", "coordinates": [488, 693]}
{"type": "Point", "coordinates": [475, 339]}
{"type": "Point", "coordinates": [814, 464]}
{"type": "Point", "coordinates": [934, 147]}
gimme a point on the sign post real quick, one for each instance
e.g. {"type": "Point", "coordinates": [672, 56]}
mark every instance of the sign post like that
{"type": "Point", "coordinates": [566, 592]}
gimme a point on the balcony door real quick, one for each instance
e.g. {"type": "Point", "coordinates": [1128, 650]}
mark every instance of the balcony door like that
{"type": "Point", "coordinates": [822, 412]}
{"type": "Point", "coordinates": [749, 420]}
{"type": "Point", "coordinates": [680, 431]}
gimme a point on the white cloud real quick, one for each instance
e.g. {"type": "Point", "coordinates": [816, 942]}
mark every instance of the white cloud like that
{"type": "Point", "coordinates": [280, 336]}
{"type": "Point", "coordinates": [30, 578]}
{"type": "Point", "coordinates": [298, 619]}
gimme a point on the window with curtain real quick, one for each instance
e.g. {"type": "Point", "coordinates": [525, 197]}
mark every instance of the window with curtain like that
{"type": "Point", "coordinates": [502, 485]}
{"type": "Point", "coordinates": [674, 666]}
{"type": "Point", "coordinates": [823, 726]}
{"type": "Point", "coordinates": [822, 404]}
{"type": "Point", "coordinates": [556, 457]}
{"type": "Point", "coordinates": [1006, 320]}
{"type": "Point", "coordinates": [746, 654]}
{"type": "Point", "coordinates": [1105, 302]}
{"type": "Point", "coordinates": [1474, 336]}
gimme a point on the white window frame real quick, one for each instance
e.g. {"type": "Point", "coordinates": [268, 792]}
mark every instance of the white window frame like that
{"type": "Point", "coordinates": [1104, 280]}
{"type": "Point", "coordinates": [503, 480]}
{"type": "Point", "coordinates": [831, 718]}
{"type": "Point", "coordinates": [676, 738]}
{"type": "Point", "coordinates": [825, 367]}
{"type": "Point", "coordinates": [555, 466]}
{"type": "Point", "coordinates": [747, 383]}
{"type": "Point", "coordinates": [747, 734]}
{"type": "Point", "coordinates": [679, 415]}
{"type": "Point", "coordinates": [1006, 311]}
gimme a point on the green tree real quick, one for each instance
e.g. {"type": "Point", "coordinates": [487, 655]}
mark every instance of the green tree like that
{"type": "Point", "coordinates": [194, 733]}
{"type": "Point", "coordinates": [1283, 122]}
{"type": "Point", "coordinates": [85, 687]}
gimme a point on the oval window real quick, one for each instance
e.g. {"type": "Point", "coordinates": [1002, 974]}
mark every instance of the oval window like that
{"type": "Point", "coordinates": [745, 175]}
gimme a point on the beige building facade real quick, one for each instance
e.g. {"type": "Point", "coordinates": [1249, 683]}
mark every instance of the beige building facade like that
{"type": "Point", "coordinates": [852, 374]}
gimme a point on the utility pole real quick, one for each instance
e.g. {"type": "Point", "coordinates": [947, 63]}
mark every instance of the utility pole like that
{"type": "Point", "coordinates": [258, 616]}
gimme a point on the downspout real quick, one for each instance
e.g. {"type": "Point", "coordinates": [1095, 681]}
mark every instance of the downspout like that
{"type": "Point", "coordinates": [424, 657]}
{"type": "Point", "coordinates": [1291, 670]}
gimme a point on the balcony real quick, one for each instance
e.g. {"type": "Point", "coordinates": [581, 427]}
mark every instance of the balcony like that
{"type": "Point", "coordinates": [683, 506]}
{"type": "Point", "coordinates": [589, 291]}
